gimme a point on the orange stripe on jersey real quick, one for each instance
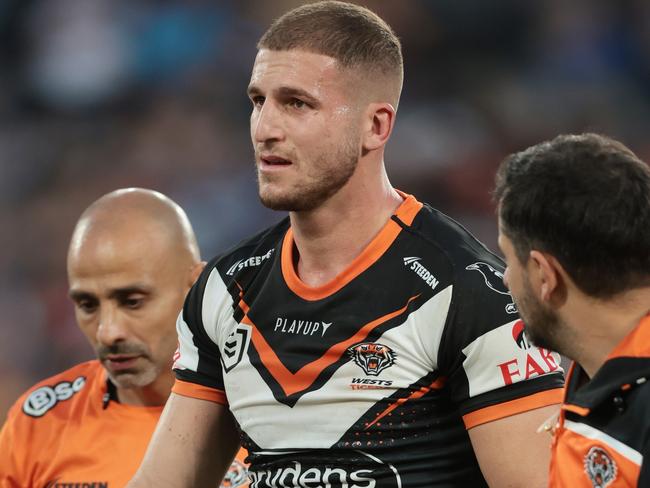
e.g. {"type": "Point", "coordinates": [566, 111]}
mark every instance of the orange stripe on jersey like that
{"type": "Point", "coordinates": [192, 390]}
{"type": "Point", "coordinates": [292, 383]}
{"type": "Point", "coordinates": [436, 385]}
{"type": "Point", "coordinates": [377, 247]}
{"type": "Point", "coordinates": [574, 456]}
{"type": "Point", "coordinates": [583, 411]}
{"type": "Point", "coordinates": [409, 209]}
{"type": "Point", "coordinates": [513, 407]}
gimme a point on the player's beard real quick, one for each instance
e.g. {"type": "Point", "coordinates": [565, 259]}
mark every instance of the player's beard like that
{"type": "Point", "coordinates": [543, 325]}
{"type": "Point", "coordinates": [326, 176]}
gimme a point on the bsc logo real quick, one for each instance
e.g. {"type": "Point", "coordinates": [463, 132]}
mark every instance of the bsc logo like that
{"type": "Point", "coordinates": [600, 467]}
{"type": "Point", "coordinates": [372, 357]}
{"type": "Point", "coordinates": [45, 398]}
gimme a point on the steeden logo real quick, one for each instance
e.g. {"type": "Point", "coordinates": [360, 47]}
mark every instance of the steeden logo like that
{"type": "Point", "coordinates": [248, 262]}
{"type": "Point", "coordinates": [414, 265]}
{"type": "Point", "coordinates": [55, 483]}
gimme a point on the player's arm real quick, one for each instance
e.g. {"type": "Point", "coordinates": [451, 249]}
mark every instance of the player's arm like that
{"type": "Point", "coordinates": [193, 445]}
{"type": "Point", "coordinates": [505, 387]}
{"type": "Point", "coordinates": [511, 453]}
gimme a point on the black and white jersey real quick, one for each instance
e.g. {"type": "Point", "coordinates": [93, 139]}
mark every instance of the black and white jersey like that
{"type": "Point", "coordinates": [372, 379]}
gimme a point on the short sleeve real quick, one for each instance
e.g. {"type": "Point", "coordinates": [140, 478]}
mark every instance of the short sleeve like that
{"type": "Point", "coordinates": [492, 370]}
{"type": "Point", "coordinates": [197, 363]}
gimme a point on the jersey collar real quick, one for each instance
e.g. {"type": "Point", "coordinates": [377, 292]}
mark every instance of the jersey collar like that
{"type": "Point", "coordinates": [404, 215]}
{"type": "Point", "coordinates": [626, 367]}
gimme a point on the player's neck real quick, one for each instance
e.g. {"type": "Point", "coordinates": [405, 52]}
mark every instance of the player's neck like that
{"type": "Point", "coordinates": [329, 238]}
{"type": "Point", "coordinates": [152, 395]}
{"type": "Point", "coordinates": [605, 323]}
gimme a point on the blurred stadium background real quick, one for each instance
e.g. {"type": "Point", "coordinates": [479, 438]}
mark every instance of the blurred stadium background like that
{"type": "Point", "coordinates": [101, 94]}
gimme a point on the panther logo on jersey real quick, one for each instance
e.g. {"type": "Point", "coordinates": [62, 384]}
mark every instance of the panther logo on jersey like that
{"type": "Point", "coordinates": [600, 467]}
{"type": "Point", "coordinates": [372, 357]}
{"type": "Point", "coordinates": [236, 476]}
{"type": "Point", "coordinates": [493, 279]}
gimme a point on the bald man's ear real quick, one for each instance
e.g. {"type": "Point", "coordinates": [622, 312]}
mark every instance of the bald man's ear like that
{"type": "Point", "coordinates": [379, 123]}
{"type": "Point", "coordinates": [196, 271]}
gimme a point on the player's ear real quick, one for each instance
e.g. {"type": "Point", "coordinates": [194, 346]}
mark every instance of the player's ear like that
{"type": "Point", "coordinates": [546, 273]}
{"type": "Point", "coordinates": [379, 120]}
{"type": "Point", "coordinates": [195, 271]}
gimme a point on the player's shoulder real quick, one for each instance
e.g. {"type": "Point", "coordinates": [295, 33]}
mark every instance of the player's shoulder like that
{"type": "Point", "coordinates": [462, 249]}
{"type": "Point", "coordinates": [477, 272]}
{"type": "Point", "coordinates": [57, 391]}
{"type": "Point", "coordinates": [250, 253]}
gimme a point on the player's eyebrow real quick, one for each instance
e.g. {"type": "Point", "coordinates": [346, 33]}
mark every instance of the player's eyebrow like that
{"type": "Point", "coordinates": [290, 92]}
{"type": "Point", "coordinates": [286, 92]}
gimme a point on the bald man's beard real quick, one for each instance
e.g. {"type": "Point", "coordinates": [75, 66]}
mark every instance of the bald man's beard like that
{"type": "Point", "coordinates": [325, 176]}
{"type": "Point", "coordinates": [143, 374]}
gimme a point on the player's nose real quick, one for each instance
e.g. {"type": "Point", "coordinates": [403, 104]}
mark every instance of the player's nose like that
{"type": "Point", "coordinates": [266, 124]}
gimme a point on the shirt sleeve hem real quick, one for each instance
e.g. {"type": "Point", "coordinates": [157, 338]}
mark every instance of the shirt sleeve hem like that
{"type": "Point", "coordinates": [193, 390]}
{"type": "Point", "coordinates": [513, 407]}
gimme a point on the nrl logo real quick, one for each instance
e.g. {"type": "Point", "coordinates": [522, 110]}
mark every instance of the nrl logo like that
{"type": "Point", "coordinates": [372, 357]}
{"type": "Point", "coordinates": [600, 467]}
{"type": "Point", "coordinates": [235, 346]}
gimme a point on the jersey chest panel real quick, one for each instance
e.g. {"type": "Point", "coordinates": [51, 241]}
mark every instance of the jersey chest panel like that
{"type": "Point", "coordinates": [363, 376]}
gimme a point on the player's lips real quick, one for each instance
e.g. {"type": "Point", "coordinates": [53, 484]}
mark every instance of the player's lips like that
{"type": "Point", "coordinates": [119, 362]}
{"type": "Point", "coordinates": [270, 162]}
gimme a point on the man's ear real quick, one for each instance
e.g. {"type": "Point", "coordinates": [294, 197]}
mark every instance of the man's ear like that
{"type": "Point", "coordinates": [547, 273]}
{"type": "Point", "coordinates": [195, 271]}
{"type": "Point", "coordinates": [378, 126]}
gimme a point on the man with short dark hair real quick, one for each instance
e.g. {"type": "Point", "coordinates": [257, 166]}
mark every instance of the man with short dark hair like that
{"type": "Point", "coordinates": [132, 258]}
{"type": "Point", "coordinates": [574, 225]}
{"type": "Point", "coordinates": [366, 340]}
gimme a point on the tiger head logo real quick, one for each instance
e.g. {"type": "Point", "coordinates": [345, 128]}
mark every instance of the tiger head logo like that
{"type": "Point", "coordinates": [237, 476]}
{"type": "Point", "coordinates": [600, 467]}
{"type": "Point", "coordinates": [372, 357]}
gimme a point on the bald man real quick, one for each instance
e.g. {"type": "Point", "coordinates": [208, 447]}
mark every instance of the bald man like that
{"type": "Point", "coordinates": [133, 257]}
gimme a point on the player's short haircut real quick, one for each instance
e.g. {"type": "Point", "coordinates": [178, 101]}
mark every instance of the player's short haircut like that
{"type": "Point", "coordinates": [355, 36]}
{"type": "Point", "coordinates": [585, 199]}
